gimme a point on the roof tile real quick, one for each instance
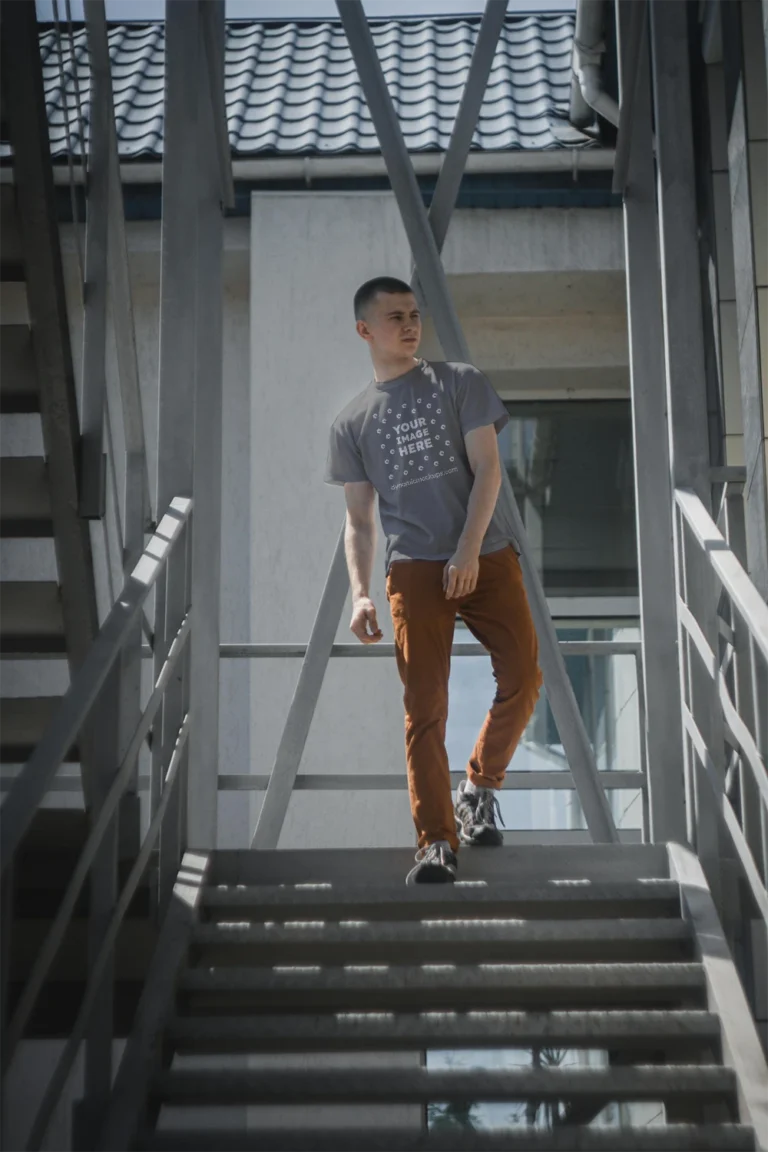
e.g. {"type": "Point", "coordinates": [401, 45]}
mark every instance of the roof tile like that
{"type": "Point", "coordinates": [293, 87]}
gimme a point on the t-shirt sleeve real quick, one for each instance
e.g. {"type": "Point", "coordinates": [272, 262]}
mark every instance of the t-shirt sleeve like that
{"type": "Point", "coordinates": [344, 464]}
{"type": "Point", "coordinates": [477, 402]}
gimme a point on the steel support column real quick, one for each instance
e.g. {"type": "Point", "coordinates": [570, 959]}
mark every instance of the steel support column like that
{"type": "Point", "coordinates": [176, 425]}
{"type": "Point", "coordinates": [93, 474]}
{"type": "Point", "coordinates": [433, 281]}
{"type": "Point", "coordinates": [663, 732]}
{"type": "Point", "coordinates": [202, 790]}
{"type": "Point", "coordinates": [686, 388]}
{"type": "Point", "coordinates": [742, 232]}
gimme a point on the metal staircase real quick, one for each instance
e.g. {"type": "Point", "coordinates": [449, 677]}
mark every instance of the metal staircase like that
{"type": "Point", "coordinates": [339, 985]}
{"type": "Point", "coordinates": [594, 986]}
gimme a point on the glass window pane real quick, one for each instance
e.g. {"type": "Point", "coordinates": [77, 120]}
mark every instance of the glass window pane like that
{"type": "Point", "coordinates": [570, 464]}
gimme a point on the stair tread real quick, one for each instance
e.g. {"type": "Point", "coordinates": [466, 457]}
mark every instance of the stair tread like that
{"type": "Point", "coordinates": [23, 720]}
{"type": "Point", "coordinates": [444, 987]}
{"type": "Point", "coordinates": [359, 1030]}
{"type": "Point", "coordinates": [420, 1085]}
{"type": "Point", "coordinates": [461, 940]}
{"type": "Point", "coordinates": [661, 1138]}
{"type": "Point", "coordinates": [25, 503]}
{"type": "Point", "coordinates": [379, 867]}
{"type": "Point", "coordinates": [31, 617]}
{"type": "Point", "coordinates": [397, 902]}
{"type": "Point", "coordinates": [18, 382]}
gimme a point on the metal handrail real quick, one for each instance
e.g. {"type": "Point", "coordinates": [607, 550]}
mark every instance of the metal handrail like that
{"type": "Point", "coordinates": [31, 784]}
{"type": "Point", "coordinates": [745, 721]}
{"type": "Point", "coordinates": [35, 778]}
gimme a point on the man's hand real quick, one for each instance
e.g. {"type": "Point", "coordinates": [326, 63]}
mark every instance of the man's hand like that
{"type": "Point", "coordinates": [461, 572]}
{"type": "Point", "coordinates": [364, 623]}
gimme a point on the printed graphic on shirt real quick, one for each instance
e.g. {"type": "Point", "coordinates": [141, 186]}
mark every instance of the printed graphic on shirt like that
{"type": "Point", "coordinates": [414, 441]}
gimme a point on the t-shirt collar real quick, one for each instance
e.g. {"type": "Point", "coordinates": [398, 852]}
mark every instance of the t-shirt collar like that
{"type": "Point", "coordinates": [382, 385]}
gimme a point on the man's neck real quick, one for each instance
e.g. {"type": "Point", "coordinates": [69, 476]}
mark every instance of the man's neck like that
{"type": "Point", "coordinates": [391, 368]}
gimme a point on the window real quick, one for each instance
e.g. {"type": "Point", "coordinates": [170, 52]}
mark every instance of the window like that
{"type": "Point", "coordinates": [570, 464]}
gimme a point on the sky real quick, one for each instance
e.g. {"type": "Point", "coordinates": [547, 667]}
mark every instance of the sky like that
{"type": "Point", "coordinates": [123, 10]}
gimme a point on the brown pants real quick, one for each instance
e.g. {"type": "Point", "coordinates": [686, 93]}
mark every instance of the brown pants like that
{"type": "Point", "coordinates": [497, 614]}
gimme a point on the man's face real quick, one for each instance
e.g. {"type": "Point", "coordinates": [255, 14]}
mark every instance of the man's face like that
{"type": "Point", "coordinates": [392, 324]}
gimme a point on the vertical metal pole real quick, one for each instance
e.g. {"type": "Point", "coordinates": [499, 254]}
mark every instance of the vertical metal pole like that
{"type": "Point", "coordinates": [742, 232]}
{"type": "Point", "coordinates": [178, 317]}
{"type": "Point", "coordinates": [206, 537]}
{"type": "Point", "coordinates": [685, 367]}
{"type": "Point", "coordinates": [89, 1113]}
{"type": "Point", "coordinates": [662, 730]}
{"type": "Point", "coordinates": [7, 887]}
{"type": "Point", "coordinates": [92, 459]}
{"type": "Point", "coordinates": [432, 277]}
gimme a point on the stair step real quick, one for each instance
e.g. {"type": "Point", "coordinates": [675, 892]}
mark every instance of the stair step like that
{"type": "Point", "coordinates": [31, 618]}
{"type": "Point", "coordinates": [448, 988]}
{"type": "Point", "coordinates": [380, 867]}
{"type": "Point", "coordinates": [482, 941]}
{"type": "Point", "coordinates": [667, 1031]}
{"type": "Point", "coordinates": [14, 305]}
{"type": "Point", "coordinates": [23, 720]}
{"type": "Point", "coordinates": [25, 502]}
{"type": "Point", "coordinates": [662, 1138]}
{"type": "Point", "coordinates": [641, 898]}
{"type": "Point", "coordinates": [657, 1083]}
{"type": "Point", "coordinates": [18, 381]}
{"type": "Point", "coordinates": [10, 231]}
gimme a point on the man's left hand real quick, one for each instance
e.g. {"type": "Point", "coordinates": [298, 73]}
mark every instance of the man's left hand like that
{"type": "Point", "coordinates": [460, 573]}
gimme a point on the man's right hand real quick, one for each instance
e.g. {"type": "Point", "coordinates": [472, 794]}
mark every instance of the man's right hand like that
{"type": "Point", "coordinates": [364, 623]}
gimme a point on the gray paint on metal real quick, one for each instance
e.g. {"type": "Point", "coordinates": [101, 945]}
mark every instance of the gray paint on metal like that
{"type": "Point", "coordinates": [662, 733]}
{"type": "Point", "coordinates": [205, 587]}
{"type": "Point", "coordinates": [304, 702]}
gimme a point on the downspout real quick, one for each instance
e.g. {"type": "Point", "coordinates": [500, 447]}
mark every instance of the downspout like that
{"type": "Point", "coordinates": [587, 92]}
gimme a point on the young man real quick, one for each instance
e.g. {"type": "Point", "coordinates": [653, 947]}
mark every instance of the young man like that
{"type": "Point", "coordinates": [423, 436]}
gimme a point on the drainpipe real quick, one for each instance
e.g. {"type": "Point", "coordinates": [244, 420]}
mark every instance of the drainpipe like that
{"type": "Point", "coordinates": [587, 92]}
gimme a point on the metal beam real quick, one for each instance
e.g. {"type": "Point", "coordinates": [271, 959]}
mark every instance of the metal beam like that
{"type": "Point", "coordinates": [178, 346]}
{"type": "Point", "coordinates": [202, 792]}
{"type": "Point", "coordinates": [94, 387]}
{"type": "Point", "coordinates": [432, 277]}
{"type": "Point", "coordinates": [214, 33]}
{"type": "Point", "coordinates": [304, 702]}
{"type": "Point", "coordinates": [634, 46]}
{"type": "Point", "coordinates": [686, 390]}
{"type": "Point", "coordinates": [455, 160]}
{"type": "Point", "coordinates": [658, 595]}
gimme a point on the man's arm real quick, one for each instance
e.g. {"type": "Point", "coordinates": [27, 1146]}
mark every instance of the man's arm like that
{"type": "Point", "coordinates": [360, 547]}
{"type": "Point", "coordinates": [461, 572]}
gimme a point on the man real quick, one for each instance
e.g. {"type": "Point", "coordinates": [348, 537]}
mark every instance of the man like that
{"type": "Point", "coordinates": [423, 436]}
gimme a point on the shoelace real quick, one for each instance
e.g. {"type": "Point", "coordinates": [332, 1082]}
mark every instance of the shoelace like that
{"type": "Point", "coordinates": [432, 851]}
{"type": "Point", "coordinates": [488, 808]}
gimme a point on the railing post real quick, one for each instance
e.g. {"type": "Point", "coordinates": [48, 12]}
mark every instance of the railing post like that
{"type": "Point", "coordinates": [104, 733]}
{"type": "Point", "coordinates": [6, 924]}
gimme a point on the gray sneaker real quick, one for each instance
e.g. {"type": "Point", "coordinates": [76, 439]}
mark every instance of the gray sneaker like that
{"type": "Point", "coordinates": [435, 864]}
{"type": "Point", "coordinates": [476, 814]}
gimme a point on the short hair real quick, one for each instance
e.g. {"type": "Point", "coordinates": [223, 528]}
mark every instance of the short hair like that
{"type": "Point", "coordinates": [368, 292]}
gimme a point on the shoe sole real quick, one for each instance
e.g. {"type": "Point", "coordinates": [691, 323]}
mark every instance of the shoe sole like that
{"type": "Point", "coordinates": [431, 874]}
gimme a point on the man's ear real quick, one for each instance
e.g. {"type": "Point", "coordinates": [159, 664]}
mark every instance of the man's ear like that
{"type": "Point", "coordinates": [363, 330]}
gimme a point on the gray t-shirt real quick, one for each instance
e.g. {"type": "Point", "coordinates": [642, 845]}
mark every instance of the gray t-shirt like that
{"type": "Point", "coordinates": [406, 437]}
